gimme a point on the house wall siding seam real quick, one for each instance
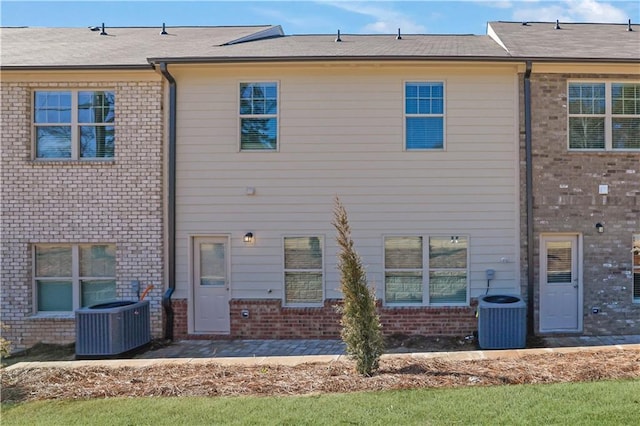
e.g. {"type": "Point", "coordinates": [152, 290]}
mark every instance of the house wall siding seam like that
{"type": "Point", "coordinates": [566, 200]}
{"type": "Point", "coordinates": [119, 201]}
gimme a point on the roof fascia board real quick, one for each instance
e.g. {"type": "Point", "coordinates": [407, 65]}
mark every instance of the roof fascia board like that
{"type": "Point", "coordinates": [145, 67]}
{"type": "Point", "coordinates": [216, 60]}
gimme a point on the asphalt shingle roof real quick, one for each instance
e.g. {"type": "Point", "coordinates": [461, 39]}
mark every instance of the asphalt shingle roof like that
{"type": "Point", "coordinates": [81, 47]}
{"type": "Point", "coordinates": [136, 47]}
{"type": "Point", "coordinates": [571, 41]}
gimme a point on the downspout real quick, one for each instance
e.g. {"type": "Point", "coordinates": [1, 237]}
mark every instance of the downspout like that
{"type": "Point", "coordinates": [529, 195]}
{"type": "Point", "coordinates": [171, 207]}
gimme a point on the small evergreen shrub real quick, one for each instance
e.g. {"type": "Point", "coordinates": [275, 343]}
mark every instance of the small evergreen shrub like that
{"type": "Point", "coordinates": [361, 328]}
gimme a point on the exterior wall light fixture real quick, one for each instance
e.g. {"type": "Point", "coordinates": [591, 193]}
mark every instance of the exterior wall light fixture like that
{"type": "Point", "coordinates": [248, 237]}
{"type": "Point", "coordinates": [600, 228]}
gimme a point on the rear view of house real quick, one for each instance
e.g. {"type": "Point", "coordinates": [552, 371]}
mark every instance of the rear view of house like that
{"type": "Point", "coordinates": [205, 161]}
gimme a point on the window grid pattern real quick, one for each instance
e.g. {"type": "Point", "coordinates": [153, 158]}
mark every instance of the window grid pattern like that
{"type": "Point", "coordinates": [604, 116]}
{"type": "Point", "coordinates": [74, 125]}
{"type": "Point", "coordinates": [259, 116]}
{"type": "Point", "coordinates": [435, 277]}
{"type": "Point", "coordinates": [71, 276]}
{"type": "Point", "coordinates": [303, 271]}
{"type": "Point", "coordinates": [424, 115]}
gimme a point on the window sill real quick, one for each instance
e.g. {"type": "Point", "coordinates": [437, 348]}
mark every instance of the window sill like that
{"type": "Point", "coordinates": [60, 316]}
{"type": "Point", "coordinates": [61, 162]}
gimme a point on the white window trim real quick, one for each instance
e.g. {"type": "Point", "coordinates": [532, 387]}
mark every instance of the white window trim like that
{"type": "Point", "coordinates": [75, 278]}
{"type": "Point", "coordinates": [322, 271]}
{"type": "Point", "coordinates": [608, 116]}
{"type": "Point", "coordinates": [241, 116]}
{"type": "Point", "coordinates": [426, 269]}
{"type": "Point", "coordinates": [74, 124]}
{"type": "Point", "coordinates": [443, 115]}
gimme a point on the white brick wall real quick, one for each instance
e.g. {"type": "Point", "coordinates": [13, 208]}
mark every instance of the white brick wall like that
{"type": "Point", "coordinates": [118, 201]}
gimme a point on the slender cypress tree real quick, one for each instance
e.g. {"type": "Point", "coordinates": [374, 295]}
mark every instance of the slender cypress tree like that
{"type": "Point", "coordinates": [361, 328]}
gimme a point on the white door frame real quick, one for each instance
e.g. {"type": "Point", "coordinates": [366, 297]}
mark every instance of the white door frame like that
{"type": "Point", "coordinates": [194, 239]}
{"type": "Point", "coordinates": [577, 269]}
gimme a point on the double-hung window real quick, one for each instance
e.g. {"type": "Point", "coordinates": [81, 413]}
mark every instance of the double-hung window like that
{"type": "Point", "coordinates": [434, 273]}
{"type": "Point", "coordinates": [636, 267]}
{"type": "Point", "coordinates": [424, 115]}
{"type": "Point", "coordinates": [604, 116]}
{"type": "Point", "coordinates": [259, 116]}
{"type": "Point", "coordinates": [74, 124]}
{"type": "Point", "coordinates": [303, 271]}
{"type": "Point", "coordinates": [71, 276]}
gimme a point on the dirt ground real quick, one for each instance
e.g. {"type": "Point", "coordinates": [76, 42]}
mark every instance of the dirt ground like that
{"type": "Point", "coordinates": [211, 379]}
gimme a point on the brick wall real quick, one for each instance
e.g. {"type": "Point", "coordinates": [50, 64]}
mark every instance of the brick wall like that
{"type": "Point", "coordinates": [268, 319]}
{"type": "Point", "coordinates": [118, 201]}
{"type": "Point", "coordinates": [566, 199]}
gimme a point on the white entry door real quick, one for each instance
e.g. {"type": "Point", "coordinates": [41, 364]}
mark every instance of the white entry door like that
{"type": "Point", "coordinates": [560, 284]}
{"type": "Point", "coordinates": [211, 285]}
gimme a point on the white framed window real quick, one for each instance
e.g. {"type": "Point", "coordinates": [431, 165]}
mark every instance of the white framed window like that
{"type": "Point", "coordinates": [604, 116]}
{"type": "Point", "coordinates": [435, 273]}
{"type": "Point", "coordinates": [424, 115]}
{"type": "Point", "coordinates": [74, 124]}
{"type": "Point", "coordinates": [635, 250]}
{"type": "Point", "coordinates": [259, 116]}
{"type": "Point", "coordinates": [69, 276]}
{"type": "Point", "coordinates": [303, 271]}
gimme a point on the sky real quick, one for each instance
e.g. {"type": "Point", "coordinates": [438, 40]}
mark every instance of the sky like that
{"type": "Point", "coordinates": [317, 17]}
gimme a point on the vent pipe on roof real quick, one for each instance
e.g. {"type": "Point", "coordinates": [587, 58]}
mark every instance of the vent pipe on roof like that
{"type": "Point", "coordinates": [629, 26]}
{"type": "Point", "coordinates": [398, 37]}
{"type": "Point", "coordinates": [164, 30]}
{"type": "Point", "coordinates": [557, 27]}
{"type": "Point", "coordinates": [103, 32]}
{"type": "Point", "coordinates": [338, 38]}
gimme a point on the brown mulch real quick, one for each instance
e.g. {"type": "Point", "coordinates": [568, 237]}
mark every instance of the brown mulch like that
{"type": "Point", "coordinates": [211, 379]}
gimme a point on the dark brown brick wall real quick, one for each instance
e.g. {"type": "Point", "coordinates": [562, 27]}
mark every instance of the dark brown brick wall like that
{"type": "Point", "coordinates": [268, 319]}
{"type": "Point", "coordinates": [566, 199]}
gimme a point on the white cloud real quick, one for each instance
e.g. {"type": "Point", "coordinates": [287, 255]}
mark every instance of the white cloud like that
{"type": "Point", "coordinates": [572, 11]}
{"type": "Point", "coordinates": [385, 20]}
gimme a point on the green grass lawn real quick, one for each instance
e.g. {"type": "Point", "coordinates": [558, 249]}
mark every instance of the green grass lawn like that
{"type": "Point", "coordinates": [597, 403]}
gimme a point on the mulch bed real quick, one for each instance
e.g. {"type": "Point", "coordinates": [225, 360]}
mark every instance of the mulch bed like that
{"type": "Point", "coordinates": [211, 379]}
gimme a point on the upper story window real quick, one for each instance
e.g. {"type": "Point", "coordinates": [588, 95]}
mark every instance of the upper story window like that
{"type": "Point", "coordinates": [259, 116]}
{"type": "Point", "coordinates": [74, 124]}
{"type": "Point", "coordinates": [424, 115]}
{"type": "Point", "coordinates": [303, 270]}
{"type": "Point", "coordinates": [636, 267]}
{"type": "Point", "coordinates": [604, 116]}
{"type": "Point", "coordinates": [419, 275]}
{"type": "Point", "coordinates": [71, 276]}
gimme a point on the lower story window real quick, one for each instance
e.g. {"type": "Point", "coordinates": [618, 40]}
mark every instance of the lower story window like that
{"type": "Point", "coordinates": [303, 270]}
{"type": "Point", "coordinates": [436, 276]}
{"type": "Point", "coordinates": [71, 276]}
{"type": "Point", "coordinates": [636, 268]}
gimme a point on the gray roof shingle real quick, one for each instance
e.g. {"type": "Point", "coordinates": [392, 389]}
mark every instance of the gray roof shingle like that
{"type": "Point", "coordinates": [572, 41]}
{"type": "Point", "coordinates": [136, 46]}
{"type": "Point", "coordinates": [121, 47]}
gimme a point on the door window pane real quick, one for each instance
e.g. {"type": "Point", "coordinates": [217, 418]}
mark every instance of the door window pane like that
{"type": "Point", "coordinates": [559, 262]}
{"type": "Point", "coordinates": [213, 266]}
